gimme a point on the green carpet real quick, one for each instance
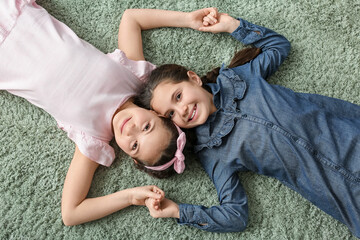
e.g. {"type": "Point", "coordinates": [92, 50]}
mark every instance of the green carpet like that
{"type": "Point", "coordinates": [35, 154]}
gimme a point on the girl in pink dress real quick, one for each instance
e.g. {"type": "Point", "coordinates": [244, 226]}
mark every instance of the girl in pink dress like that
{"type": "Point", "coordinates": [89, 95]}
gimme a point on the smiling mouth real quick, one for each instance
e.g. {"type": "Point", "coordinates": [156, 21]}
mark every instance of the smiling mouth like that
{"type": "Point", "coordinates": [192, 115]}
{"type": "Point", "coordinates": [123, 124]}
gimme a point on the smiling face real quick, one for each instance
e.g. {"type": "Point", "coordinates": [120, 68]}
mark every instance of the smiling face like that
{"type": "Point", "coordinates": [140, 133]}
{"type": "Point", "coordinates": [187, 103]}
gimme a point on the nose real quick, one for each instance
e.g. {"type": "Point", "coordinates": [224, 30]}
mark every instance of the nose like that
{"type": "Point", "coordinates": [131, 129]}
{"type": "Point", "coordinates": [183, 110]}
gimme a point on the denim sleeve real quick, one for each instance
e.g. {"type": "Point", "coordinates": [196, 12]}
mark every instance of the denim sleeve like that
{"type": "Point", "coordinates": [275, 48]}
{"type": "Point", "coordinates": [232, 213]}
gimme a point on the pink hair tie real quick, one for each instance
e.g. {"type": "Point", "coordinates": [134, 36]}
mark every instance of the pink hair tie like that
{"type": "Point", "coordinates": [178, 160]}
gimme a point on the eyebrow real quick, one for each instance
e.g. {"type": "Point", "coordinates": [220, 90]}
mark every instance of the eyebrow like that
{"type": "Point", "coordinates": [152, 128]}
{"type": "Point", "coordinates": [173, 95]}
{"type": "Point", "coordinates": [171, 99]}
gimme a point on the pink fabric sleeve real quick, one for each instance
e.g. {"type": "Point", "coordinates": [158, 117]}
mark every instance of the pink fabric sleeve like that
{"type": "Point", "coordinates": [96, 150]}
{"type": "Point", "coordinates": [141, 69]}
{"type": "Point", "coordinates": [9, 12]}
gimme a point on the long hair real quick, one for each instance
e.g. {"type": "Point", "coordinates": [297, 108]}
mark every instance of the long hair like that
{"type": "Point", "coordinates": [240, 58]}
{"type": "Point", "coordinates": [176, 73]}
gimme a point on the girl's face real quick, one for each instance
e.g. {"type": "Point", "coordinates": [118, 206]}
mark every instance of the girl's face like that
{"type": "Point", "coordinates": [140, 133]}
{"type": "Point", "coordinates": [186, 103]}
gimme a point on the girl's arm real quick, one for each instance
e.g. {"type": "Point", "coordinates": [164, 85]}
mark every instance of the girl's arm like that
{"type": "Point", "coordinates": [231, 215]}
{"type": "Point", "coordinates": [76, 208]}
{"type": "Point", "coordinates": [275, 47]}
{"type": "Point", "coordinates": [134, 21]}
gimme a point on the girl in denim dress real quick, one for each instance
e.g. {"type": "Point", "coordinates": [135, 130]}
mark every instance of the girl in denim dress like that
{"type": "Point", "coordinates": [310, 143]}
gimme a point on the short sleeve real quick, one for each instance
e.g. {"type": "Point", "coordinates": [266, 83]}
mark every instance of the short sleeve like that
{"type": "Point", "coordinates": [9, 12]}
{"type": "Point", "coordinates": [141, 69]}
{"type": "Point", "coordinates": [95, 149]}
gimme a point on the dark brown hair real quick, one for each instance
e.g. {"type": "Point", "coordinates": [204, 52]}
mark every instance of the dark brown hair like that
{"type": "Point", "coordinates": [240, 58]}
{"type": "Point", "coordinates": [176, 73]}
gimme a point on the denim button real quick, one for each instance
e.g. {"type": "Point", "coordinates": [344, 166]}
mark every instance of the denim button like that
{"type": "Point", "coordinates": [270, 124]}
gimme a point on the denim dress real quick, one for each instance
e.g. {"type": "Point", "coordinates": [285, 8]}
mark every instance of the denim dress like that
{"type": "Point", "coordinates": [310, 143]}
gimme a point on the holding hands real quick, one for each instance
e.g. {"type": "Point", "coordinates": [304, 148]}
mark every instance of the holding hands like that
{"type": "Point", "coordinates": [210, 20]}
{"type": "Point", "coordinates": [154, 199]}
{"type": "Point", "coordinates": [138, 195]}
{"type": "Point", "coordinates": [162, 209]}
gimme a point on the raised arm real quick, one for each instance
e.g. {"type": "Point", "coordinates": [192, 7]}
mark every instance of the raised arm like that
{"type": "Point", "coordinates": [275, 47]}
{"type": "Point", "coordinates": [136, 20]}
{"type": "Point", "coordinates": [76, 208]}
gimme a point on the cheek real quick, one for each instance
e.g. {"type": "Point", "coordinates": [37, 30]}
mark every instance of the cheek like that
{"type": "Point", "coordinates": [179, 122]}
{"type": "Point", "coordinates": [122, 144]}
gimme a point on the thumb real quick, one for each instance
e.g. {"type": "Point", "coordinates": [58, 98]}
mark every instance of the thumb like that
{"type": "Point", "coordinates": [207, 29]}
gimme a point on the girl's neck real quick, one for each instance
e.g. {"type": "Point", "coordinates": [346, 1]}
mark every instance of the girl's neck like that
{"type": "Point", "coordinates": [212, 104]}
{"type": "Point", "coordinates": [128, 104]}
{"type": "Point", "coordinates": [211, 98]}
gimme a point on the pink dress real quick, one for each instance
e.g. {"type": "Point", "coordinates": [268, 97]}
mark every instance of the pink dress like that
{"type": "Point", "coordinates": [45, 62]}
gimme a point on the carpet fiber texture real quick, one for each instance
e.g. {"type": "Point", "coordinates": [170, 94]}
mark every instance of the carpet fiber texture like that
{"type": "Point", "coordinates": [35, 154]}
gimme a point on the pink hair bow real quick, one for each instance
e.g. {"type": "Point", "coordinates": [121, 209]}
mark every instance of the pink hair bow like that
{"type": "Point", "coordinates": [178, 160]}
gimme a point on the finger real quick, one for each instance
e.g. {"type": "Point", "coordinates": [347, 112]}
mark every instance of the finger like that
{"type": "Point", "coordinates": [152, 204]}
{"type": "Point", "coordinates": [209, 20]}
{"type": "Point", "coordinates": [213, 11]}
{"type": "Point", "coordinates": [212, 18]}
{"type": "Point", "coordinates": [148, 203]}
{"type": "Point", "coordinates": [154, 195]}
{"type": "Point", "coordinates": [208, 29]}
{"type": "Point", "coordinates": [160, 193]}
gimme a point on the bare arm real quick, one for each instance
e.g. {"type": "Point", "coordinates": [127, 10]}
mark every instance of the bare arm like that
{"type": "Point", "coordinates": [136, 20]}
{"type": "Point", "coordinates": [77, 209]}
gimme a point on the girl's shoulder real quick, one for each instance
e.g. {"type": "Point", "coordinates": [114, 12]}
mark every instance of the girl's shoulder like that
{"type": "Point", "coordinates": [141, 69]}
{"type": "Point", "coordinates": [232, 86]}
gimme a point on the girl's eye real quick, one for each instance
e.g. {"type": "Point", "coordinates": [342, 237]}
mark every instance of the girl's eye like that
{"type": "Point", "coordinates": [134, 147]}
{"type": "Point", "coordinates": [178, 97]}
{"type": "Point", "coordinates": [171, 114]}
{"type": "Point", "coordinates": [147, 127]}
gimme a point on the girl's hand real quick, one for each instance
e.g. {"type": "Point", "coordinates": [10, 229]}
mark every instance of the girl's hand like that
{"type": "Point", "coordinates": [225, 23]}
{"type": "Point", "coordinates": [209, 19]}
{"type": "Point", "coordinates": [164, 209]}
{"type": "Point", "coordinates": [138, 195]}
{"type": "Point", "coordinates": [203, 16]}
{"type": "Point", "coordinates": [152, 203]}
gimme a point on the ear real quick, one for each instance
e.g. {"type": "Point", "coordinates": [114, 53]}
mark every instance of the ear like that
{"type": "Point", "coordinates": [136, 162]}
{"type": "Point", "coordinates": [194, 78]}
